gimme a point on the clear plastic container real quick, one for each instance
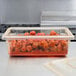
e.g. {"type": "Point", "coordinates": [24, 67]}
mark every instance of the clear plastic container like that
{"type": "Point", "coordinates": [38, 41]}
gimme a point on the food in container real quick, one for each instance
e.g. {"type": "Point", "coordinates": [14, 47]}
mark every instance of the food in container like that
{"type": "Point", "coordinates": [33, 41]}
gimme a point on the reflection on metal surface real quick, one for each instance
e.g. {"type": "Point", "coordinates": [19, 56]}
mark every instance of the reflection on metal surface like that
{"type": "Point", "coordinates": [28, 66]}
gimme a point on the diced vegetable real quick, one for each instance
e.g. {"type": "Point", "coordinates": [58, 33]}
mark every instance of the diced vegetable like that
{"type": "Point", "coordinates": [32, 33]}
{"type": "Point", "coordinates": [33, 45]}
{"type": "Point", "coordinates": [26, 34]}
{"type": "Point", "coordinates": [53, 33]}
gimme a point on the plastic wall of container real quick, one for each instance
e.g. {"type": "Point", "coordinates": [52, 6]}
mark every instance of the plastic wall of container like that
{"type": "Point", "coordinates": [38, 41]}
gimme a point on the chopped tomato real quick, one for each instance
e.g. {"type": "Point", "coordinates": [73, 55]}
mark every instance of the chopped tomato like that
{"type": "Point", "coordinates": [32, 33]}
{"type": "Point", "coordinates": [40, 34]}
{"type": "Point", "coordinates": [63, 42]}
{"type": "Point", "coordinates": [56, 42]}
{"type": "Point", "coordinates": [17, 49]}
{"type": "Point", "coordinates": [29, 48]}
{"type": "Point", "coordinates": [35, 44]}
{"type": "Point", "coordinates": [53, 49]}
{"type": "Point", "coordinates": [24, 41]}
{"type": "Point", "coordinates": [12, 48]}
{"type": "Point", "coordinates": [48, 40]}
{"type": "Point", "coordinates": [43, 44]}
{"type": "Point", "coordinates": [52, 43]}
{"type": "Point", "coordinates": [59, 48]}
{"type": "Point", "coordinates": [65, 48]}
{"type": "Point", "coordinates": [26, 34]}
{"type": "Point", "coordinates": [23, 49]}
{"type": "Point", "coordinates": [38, 45]}
{"type": "Point", "coordinates": [29, 41]}
{"type": "Point", "coordinates": [53, 33]}
{"type": "Point", "coordinates": [13, 43]}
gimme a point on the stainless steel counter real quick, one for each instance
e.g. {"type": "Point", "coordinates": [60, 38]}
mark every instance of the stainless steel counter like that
{"type": "Point", "coordinates": [27, 66]}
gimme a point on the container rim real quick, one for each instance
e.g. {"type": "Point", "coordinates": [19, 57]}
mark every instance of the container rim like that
{"type": "Point", "coordinates": [6, 35]}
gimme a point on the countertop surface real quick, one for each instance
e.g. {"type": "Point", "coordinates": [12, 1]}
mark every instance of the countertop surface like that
{"type": "Point", "coordinates": [28, 66]}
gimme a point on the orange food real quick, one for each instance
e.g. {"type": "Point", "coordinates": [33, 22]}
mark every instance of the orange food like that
{"type": "Point", "coordinates": [35, 44]}
{"type": "Point", "coordinates": [54, 49]}
{"type": "Point", "coordinates": [13, 43]}
{"type": "Point", "coordinates": [52, 43]}
{"type": "Point", "coordinates": [38, 45]}
{"type": "Point", "coordinates": [29, 48]}
{"type": "Point", "coordinates": [56, 42]}
{"type": "Point", "coordinates": [17, 49]}
{"type": "Point", "coordinates": [53, 33]}
{"type": "Point", "coordinates": [29, 41]}
{"type": "Point", "coordinates": [59, 48]}
{"type": "Point", "coordinates": [32, 33]}
{"type": "Point", "coordinates": [65, 48]}
{"type": "Point", "coordinates": [23, 49]}
{"type": "Point", "coordinates": [18, 44]}
{"type": "Point", "coordinates": [26, 34]}
{"type": "Point", "coordinates": [63, 42]}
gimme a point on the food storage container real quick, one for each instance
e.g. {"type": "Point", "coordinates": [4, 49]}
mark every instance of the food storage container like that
{"type": "Point", "coordinates": [38, 41]}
